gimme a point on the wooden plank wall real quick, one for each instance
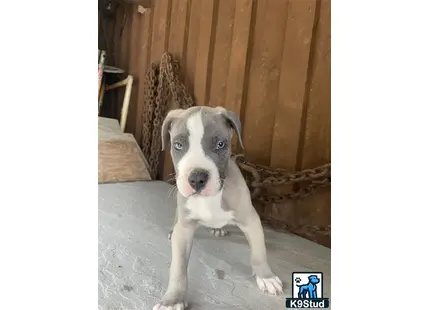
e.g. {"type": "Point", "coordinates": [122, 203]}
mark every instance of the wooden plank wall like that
{"type": "Point", "coordinates": [267, 60]}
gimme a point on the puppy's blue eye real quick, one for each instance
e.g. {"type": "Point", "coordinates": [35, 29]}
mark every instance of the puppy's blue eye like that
{"type": "Point", "coordinates": [220, 145]}
{"type": "Point", "coordinates": [177, 146]}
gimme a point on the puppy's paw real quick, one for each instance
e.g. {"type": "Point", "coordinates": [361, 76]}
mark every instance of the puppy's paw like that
{"type": "Point", "coordinates": [272, 285]}
{"type": "Point", "coordinates": [171, 301]}
{"type": "Point", "coordinates": [218, 232]}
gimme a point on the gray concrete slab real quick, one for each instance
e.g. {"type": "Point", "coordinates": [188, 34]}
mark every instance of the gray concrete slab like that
{"type": "Point", "coordinates": [134, 255]}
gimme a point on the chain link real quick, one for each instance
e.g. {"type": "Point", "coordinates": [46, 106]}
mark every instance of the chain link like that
{"type": "Point", "coordinates": [163, 83]}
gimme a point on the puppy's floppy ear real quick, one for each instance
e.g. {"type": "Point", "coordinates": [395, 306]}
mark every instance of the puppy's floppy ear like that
{"type": "Point", "coordinates": [165, 128]}
{"type": "Point", "coordinates": [234, 121]}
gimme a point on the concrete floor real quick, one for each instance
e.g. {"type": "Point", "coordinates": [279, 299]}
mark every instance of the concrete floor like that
{"type": "Point", "coordinates": [134, 256]}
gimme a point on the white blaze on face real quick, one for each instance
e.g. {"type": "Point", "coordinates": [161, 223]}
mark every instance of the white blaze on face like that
{"type": "Point", "coordinates": [196, 158]}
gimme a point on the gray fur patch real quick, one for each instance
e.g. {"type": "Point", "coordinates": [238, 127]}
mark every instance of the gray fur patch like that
{"type": "Point", "coordinates": [179, 133]}
{"type": "Point", "coordinates": [216, 131]}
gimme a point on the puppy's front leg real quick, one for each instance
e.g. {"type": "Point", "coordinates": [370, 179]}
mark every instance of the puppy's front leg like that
{"type": "Point", "coordinates": [181, 242]}
{"type": "Point", "coordinates": [266, 280]}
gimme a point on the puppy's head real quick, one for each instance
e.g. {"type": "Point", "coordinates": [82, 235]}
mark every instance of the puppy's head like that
{"type": "Point", "coordinates": [200, 145]}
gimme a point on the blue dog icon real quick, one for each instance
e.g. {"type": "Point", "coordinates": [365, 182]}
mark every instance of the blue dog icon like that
{"type": "Point", "coordinates": [309, 290]}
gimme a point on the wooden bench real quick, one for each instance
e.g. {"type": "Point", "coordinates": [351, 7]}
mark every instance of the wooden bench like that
{"type": "Point", "coordinates": [120, 157]}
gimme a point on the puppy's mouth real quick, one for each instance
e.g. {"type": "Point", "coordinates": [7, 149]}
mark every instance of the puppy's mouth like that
{"type": "Point", "coordinates": [207, 192]}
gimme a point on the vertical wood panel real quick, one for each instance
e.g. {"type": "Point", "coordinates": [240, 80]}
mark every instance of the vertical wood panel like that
{"type": "Point", "coordinates": [316, 210]}
{"type": "Point", "coordinates": [222, 51]}
{"type": "Point", "coordinates": [192, 42]}
{"type": "Point", "coordinates": [267, 49]}
{"type": "Point", "coordinates": [205, 47]}
{"type": "Point", "coordinates": [144, 51]}
{"type": "Point", "coordinates": [291, 96]}
{"type": "Point", "coordinates": [292, 85]}
{"type": "Point", "coordinates": [238, 66]}
{"type": "Point", "coordinates": [125, 38]}
{"type": "Point", "coordinates": [178, 35]}
{"type": "Point", "coordinates": [160, 29]}
{"type": "Point", "coordinates": [316, 142]}
{"type": "Point", "coordinates": [133, 65]}
{"type": "Point", "coordinates": [116, 61]}
{"type": "Point", "coordinates": [109, 27]}
{"type": "Point", "coordinates": [119, 26]}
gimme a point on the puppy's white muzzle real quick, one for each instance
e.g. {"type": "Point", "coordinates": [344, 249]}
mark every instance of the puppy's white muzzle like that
{"type": "Point", "coordinates": [198, 181]}
{"type": "Point", "coordinates": [197, 173]}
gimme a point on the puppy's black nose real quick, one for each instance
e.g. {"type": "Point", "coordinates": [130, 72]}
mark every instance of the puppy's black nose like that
{"type": "Point", "coordinates": [198, 179]}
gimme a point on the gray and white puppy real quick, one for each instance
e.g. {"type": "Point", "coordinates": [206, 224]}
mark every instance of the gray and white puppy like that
{"type": "Point", "coordinates": [211, 192]}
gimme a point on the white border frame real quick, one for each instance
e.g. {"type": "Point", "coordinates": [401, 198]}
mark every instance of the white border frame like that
{"type": "Point", "coordinates": [48, 164]}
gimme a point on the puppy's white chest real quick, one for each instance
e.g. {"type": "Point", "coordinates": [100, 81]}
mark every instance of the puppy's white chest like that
{"type": "Point", "coordinates": [208, 212]}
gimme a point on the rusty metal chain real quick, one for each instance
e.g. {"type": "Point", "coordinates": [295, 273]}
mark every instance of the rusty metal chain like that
{"type": "Point", "coordinates": [149, 95]}
{"type": "Point", "coordinates": [302, 229]}
{"type": "Point", "coordinates": [300, 194]}
{"type": "Point", "coordinates": [263, 177]}
{"type": "Point", "coordinates": [163, 83]}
